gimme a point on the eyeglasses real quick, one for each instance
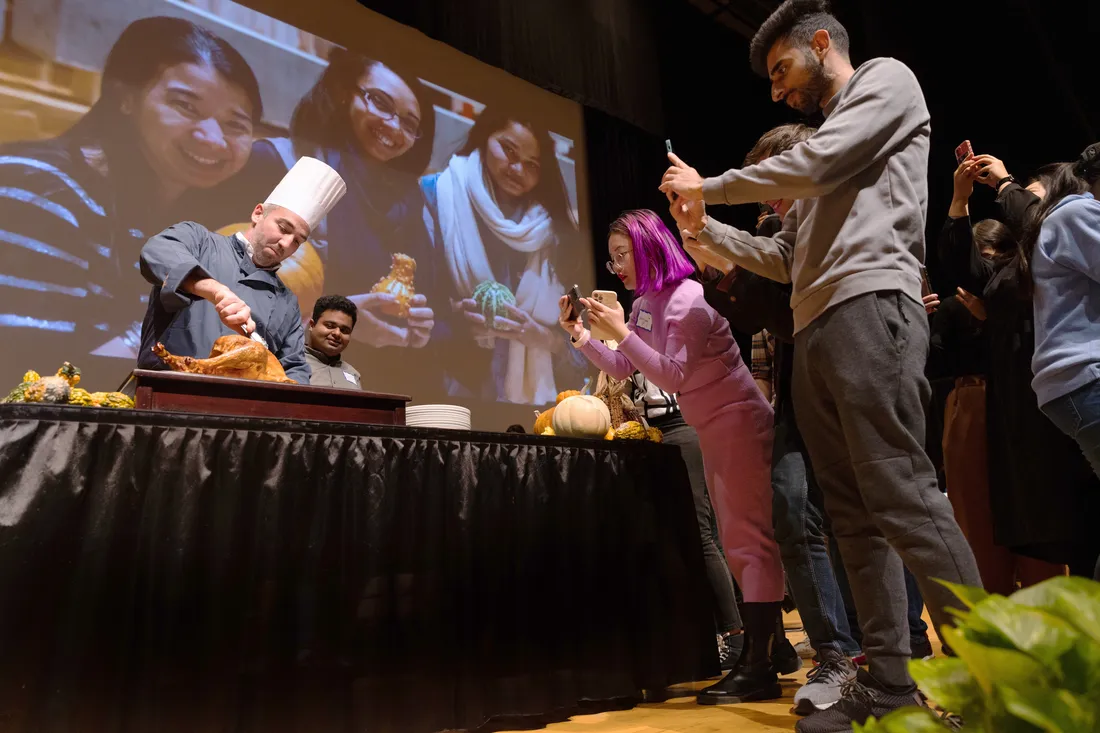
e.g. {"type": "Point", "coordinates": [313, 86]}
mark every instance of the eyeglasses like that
{"type": "Point", "coordinates": [617, 263]}
{"type": "Point", "coordinates": [382, 104]}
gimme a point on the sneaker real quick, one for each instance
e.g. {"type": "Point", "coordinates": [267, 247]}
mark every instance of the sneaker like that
{"type": "Point", "coordinates": [922, 648]}
{"type": "Point", "coordinates": [729, 650]}
{"type": "Point", "coordinates": [862, 698]}
{"type": "Point", "coordinates": [805, 651]}
{"type": "Point", "coordinates": [785, 660]}
{"type": "Point", "coordinates": [824, 684]}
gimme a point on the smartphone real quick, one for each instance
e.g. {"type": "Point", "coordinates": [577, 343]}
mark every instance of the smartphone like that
{"type": "Point", "coordinates": [608, 297]}
{"type": "Point", "coordinates": [964, 151]}
{"type": "Point", "coordinates": [766, 209]}
{"type": "Point", "coordinates": [575, 307]}
{"type": "Point", "coordinates": [925, 285]}
{"type": "Point", "coordinates": [668, 147]}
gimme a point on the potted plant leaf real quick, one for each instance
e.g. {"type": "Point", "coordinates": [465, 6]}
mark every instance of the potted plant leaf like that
{"type": "Point", "coordinates": [1029, 663]}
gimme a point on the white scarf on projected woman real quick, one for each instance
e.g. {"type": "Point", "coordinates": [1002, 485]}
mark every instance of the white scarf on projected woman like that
{"type": "Point", "coordinates": [463, 200]}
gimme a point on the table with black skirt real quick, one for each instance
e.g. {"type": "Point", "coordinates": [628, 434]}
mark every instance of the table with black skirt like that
{"type": "Point", "coordinates": [171, 572]}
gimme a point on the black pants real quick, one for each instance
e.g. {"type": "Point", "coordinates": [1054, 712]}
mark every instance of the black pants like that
{"type": "Point", "coordinates": [860, 393]}
{"type": "Point", "coordinates": [678, 433]}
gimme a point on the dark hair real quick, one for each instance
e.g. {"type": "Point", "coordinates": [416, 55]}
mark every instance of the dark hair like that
{"type": "Point", "coordinates": [335, 303]}
{"type": "Point", "coordinates": [796, 21]}
{"type": "Point", "coordinates": [323, 115]}
{"type": "Point", "coordinates": [517, 428]}
{"type": "Point", "coordinates": [992, 234]}
{"type": "Point", "coordinates": [1067, 180]}
{"type": "Point", "coordinates": [778, 140]}
{"type": "Point", "coordinates": [1044, 175]}
{"type": "Point", "coordinates": [144, 50]}
{"type": "Point", "coordinates": [550, 191]}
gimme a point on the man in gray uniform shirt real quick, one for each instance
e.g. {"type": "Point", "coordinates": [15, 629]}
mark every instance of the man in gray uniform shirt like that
{"type": "Point", "coordinates": [329, 333]}
{"type": "Point", "coordinates": [852, 247]}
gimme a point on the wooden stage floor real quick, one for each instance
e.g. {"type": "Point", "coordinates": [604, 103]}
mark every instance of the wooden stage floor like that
{"type": "Point", "coordinates": [680, 713]}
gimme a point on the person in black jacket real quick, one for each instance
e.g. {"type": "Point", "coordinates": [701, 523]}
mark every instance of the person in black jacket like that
{"type": "Point", "coordinates": [1043, 494]}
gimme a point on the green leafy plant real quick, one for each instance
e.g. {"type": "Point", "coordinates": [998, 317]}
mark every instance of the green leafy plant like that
{"type": "Point", "coordinates": [1029, 663]}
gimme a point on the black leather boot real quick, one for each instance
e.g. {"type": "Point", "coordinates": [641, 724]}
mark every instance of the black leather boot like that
{"type": "Point", "coordinates": [753, 678]}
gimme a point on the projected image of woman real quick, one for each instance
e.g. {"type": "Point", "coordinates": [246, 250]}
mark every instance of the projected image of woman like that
{"type": "Point", "coordinates": [375, 126]}
{"type": "Point", "coordinates": [499, 212]}
{"type": "Point", "coordinates": [174, 119]}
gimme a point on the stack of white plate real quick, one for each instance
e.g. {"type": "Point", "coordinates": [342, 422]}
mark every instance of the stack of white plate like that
{"type": "Point", "coordinates": [451, 417]}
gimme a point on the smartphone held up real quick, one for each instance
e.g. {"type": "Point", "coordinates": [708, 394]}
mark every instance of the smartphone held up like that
{"type": "Point", "coordinates": [964, 151]}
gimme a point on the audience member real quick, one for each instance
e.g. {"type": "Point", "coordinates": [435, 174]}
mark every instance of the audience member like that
{"type": "Point", "coordinates": [852, 248]}
{"type": "Point", "coordinates": [681, 345]}
{"type": "Point", "coordinates": [1043, 496]}
{"type": "Point", "coordinates": [1064, 243]}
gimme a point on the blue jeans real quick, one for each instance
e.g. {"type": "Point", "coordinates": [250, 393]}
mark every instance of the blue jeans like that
{"type": "Point", "coordinates": [1078, 416]}
{"type": "Point", "coordinates": [800, 521]}
{"type": "Point", "coordinates": [918, 629]}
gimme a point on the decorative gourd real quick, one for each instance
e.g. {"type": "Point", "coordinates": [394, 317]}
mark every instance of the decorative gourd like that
{"type": "Point", "coordinates": [70, 374]}
{"type": "Point", "coordinates": [654, 435]}
{"type": "Point", "coordinates": [398, 283]}
{"type": "Point", "coordinates": [610, 434]}
{"type": "Point", "coordinates": [84, 398]}
{"type": "Point", "coordinates": [549, 432]}
{"type": "Point", "coordinates": [302, 272]}
{"type": "Point", "coordinates": [31, 376]}
{"type": "Point", "coordinates": [583, 416]}
{"type": "Point", "coordinates": [567, 394]}
{"type": "Point", "coordinates": [631, 430]}
{"type": "Point", "coordinates": [53, 390]}
{"type": "Point", "coordinates": [543, 420]}
{"type": "Point", "coordinates": [492, 300]}
{"type": "Point", "coordinates": [81, 397]}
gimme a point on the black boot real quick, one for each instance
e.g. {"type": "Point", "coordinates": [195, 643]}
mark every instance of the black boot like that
{"type": "Point", "coordinates": [785, 659]}
{"type": "Point", "coordinates": [753, 678]}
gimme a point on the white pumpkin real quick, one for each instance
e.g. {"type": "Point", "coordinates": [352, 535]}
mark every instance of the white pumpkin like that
{"type": "Point", "coordinates": [583, 416]}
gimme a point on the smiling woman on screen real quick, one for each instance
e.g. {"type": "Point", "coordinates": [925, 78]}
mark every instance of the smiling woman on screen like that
{"type": "Point", "coordinates": [174, 119]}
{"type": "Point", "coordinates": [375, 125]}
{"type": "Point", "coordinates": [499, 213]}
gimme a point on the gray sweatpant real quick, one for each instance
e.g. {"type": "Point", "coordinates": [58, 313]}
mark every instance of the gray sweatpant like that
{"type": "Point", "coordinates": [859, 395]}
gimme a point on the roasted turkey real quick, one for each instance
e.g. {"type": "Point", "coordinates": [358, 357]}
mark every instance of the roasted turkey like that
{"type": "Point", "coordinates": [231, 356]}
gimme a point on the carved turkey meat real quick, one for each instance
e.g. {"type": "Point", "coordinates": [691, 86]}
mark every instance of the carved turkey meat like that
{"type": "Point", "coordinates": [231, 356]}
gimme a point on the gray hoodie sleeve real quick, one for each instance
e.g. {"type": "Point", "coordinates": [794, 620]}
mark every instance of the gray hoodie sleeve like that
{"type": "Point", "coordinates": [768, 257]}
{"type": "Point", "coordinates": [881, 107]}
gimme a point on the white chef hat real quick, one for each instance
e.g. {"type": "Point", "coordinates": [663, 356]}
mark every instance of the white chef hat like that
{"type": "Point", "coordinates": [310, 189]}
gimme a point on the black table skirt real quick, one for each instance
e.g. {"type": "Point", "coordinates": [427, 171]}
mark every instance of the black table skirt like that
{"type": "Point", "coordinates": [166, 572]}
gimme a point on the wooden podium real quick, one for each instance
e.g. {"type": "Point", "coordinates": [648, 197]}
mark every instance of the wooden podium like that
{"type": "Point", "coordinates": [204, 394]}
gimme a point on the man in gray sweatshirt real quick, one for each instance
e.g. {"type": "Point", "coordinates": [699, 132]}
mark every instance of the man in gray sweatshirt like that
{"type": "Point", "coordinates": [852, 247]}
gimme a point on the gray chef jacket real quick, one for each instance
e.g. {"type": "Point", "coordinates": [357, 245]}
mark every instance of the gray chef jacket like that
{"type": "Point", "coordinates": [334, 373]}
{"type": "Point", "coordinates": [188, 325]}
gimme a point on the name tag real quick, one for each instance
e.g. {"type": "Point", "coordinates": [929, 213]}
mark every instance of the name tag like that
{"type": "Point", "coordinates": [350, 377]}
{"type": "Point", "coordinates": [645, 320]}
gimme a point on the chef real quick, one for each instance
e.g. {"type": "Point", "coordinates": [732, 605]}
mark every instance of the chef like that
{"type": "Point", "coordinates": [207, 285]}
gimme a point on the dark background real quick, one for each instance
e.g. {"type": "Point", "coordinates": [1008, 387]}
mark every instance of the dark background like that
{"type": "Point", "coordinates": [1016, 77]}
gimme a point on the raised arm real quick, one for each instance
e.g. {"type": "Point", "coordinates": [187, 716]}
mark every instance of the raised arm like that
{"type": "Point", "coordinates": [769, 257]}
{"type": "Point", "coordinates": [171, 260]}
{"type": "Point", "coordinates": [884, 107]}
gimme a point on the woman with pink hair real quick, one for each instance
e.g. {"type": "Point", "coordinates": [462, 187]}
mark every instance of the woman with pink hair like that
{"type": "Point", "coordinates": [683, 346]}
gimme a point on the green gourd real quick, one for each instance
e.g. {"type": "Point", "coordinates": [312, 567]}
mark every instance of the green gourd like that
{"type": "Point", "coordinates": [492, 300]}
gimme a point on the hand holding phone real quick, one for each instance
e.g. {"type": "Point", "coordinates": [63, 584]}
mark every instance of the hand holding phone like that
{"type": "Point", "coordinates": [575, 307]}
